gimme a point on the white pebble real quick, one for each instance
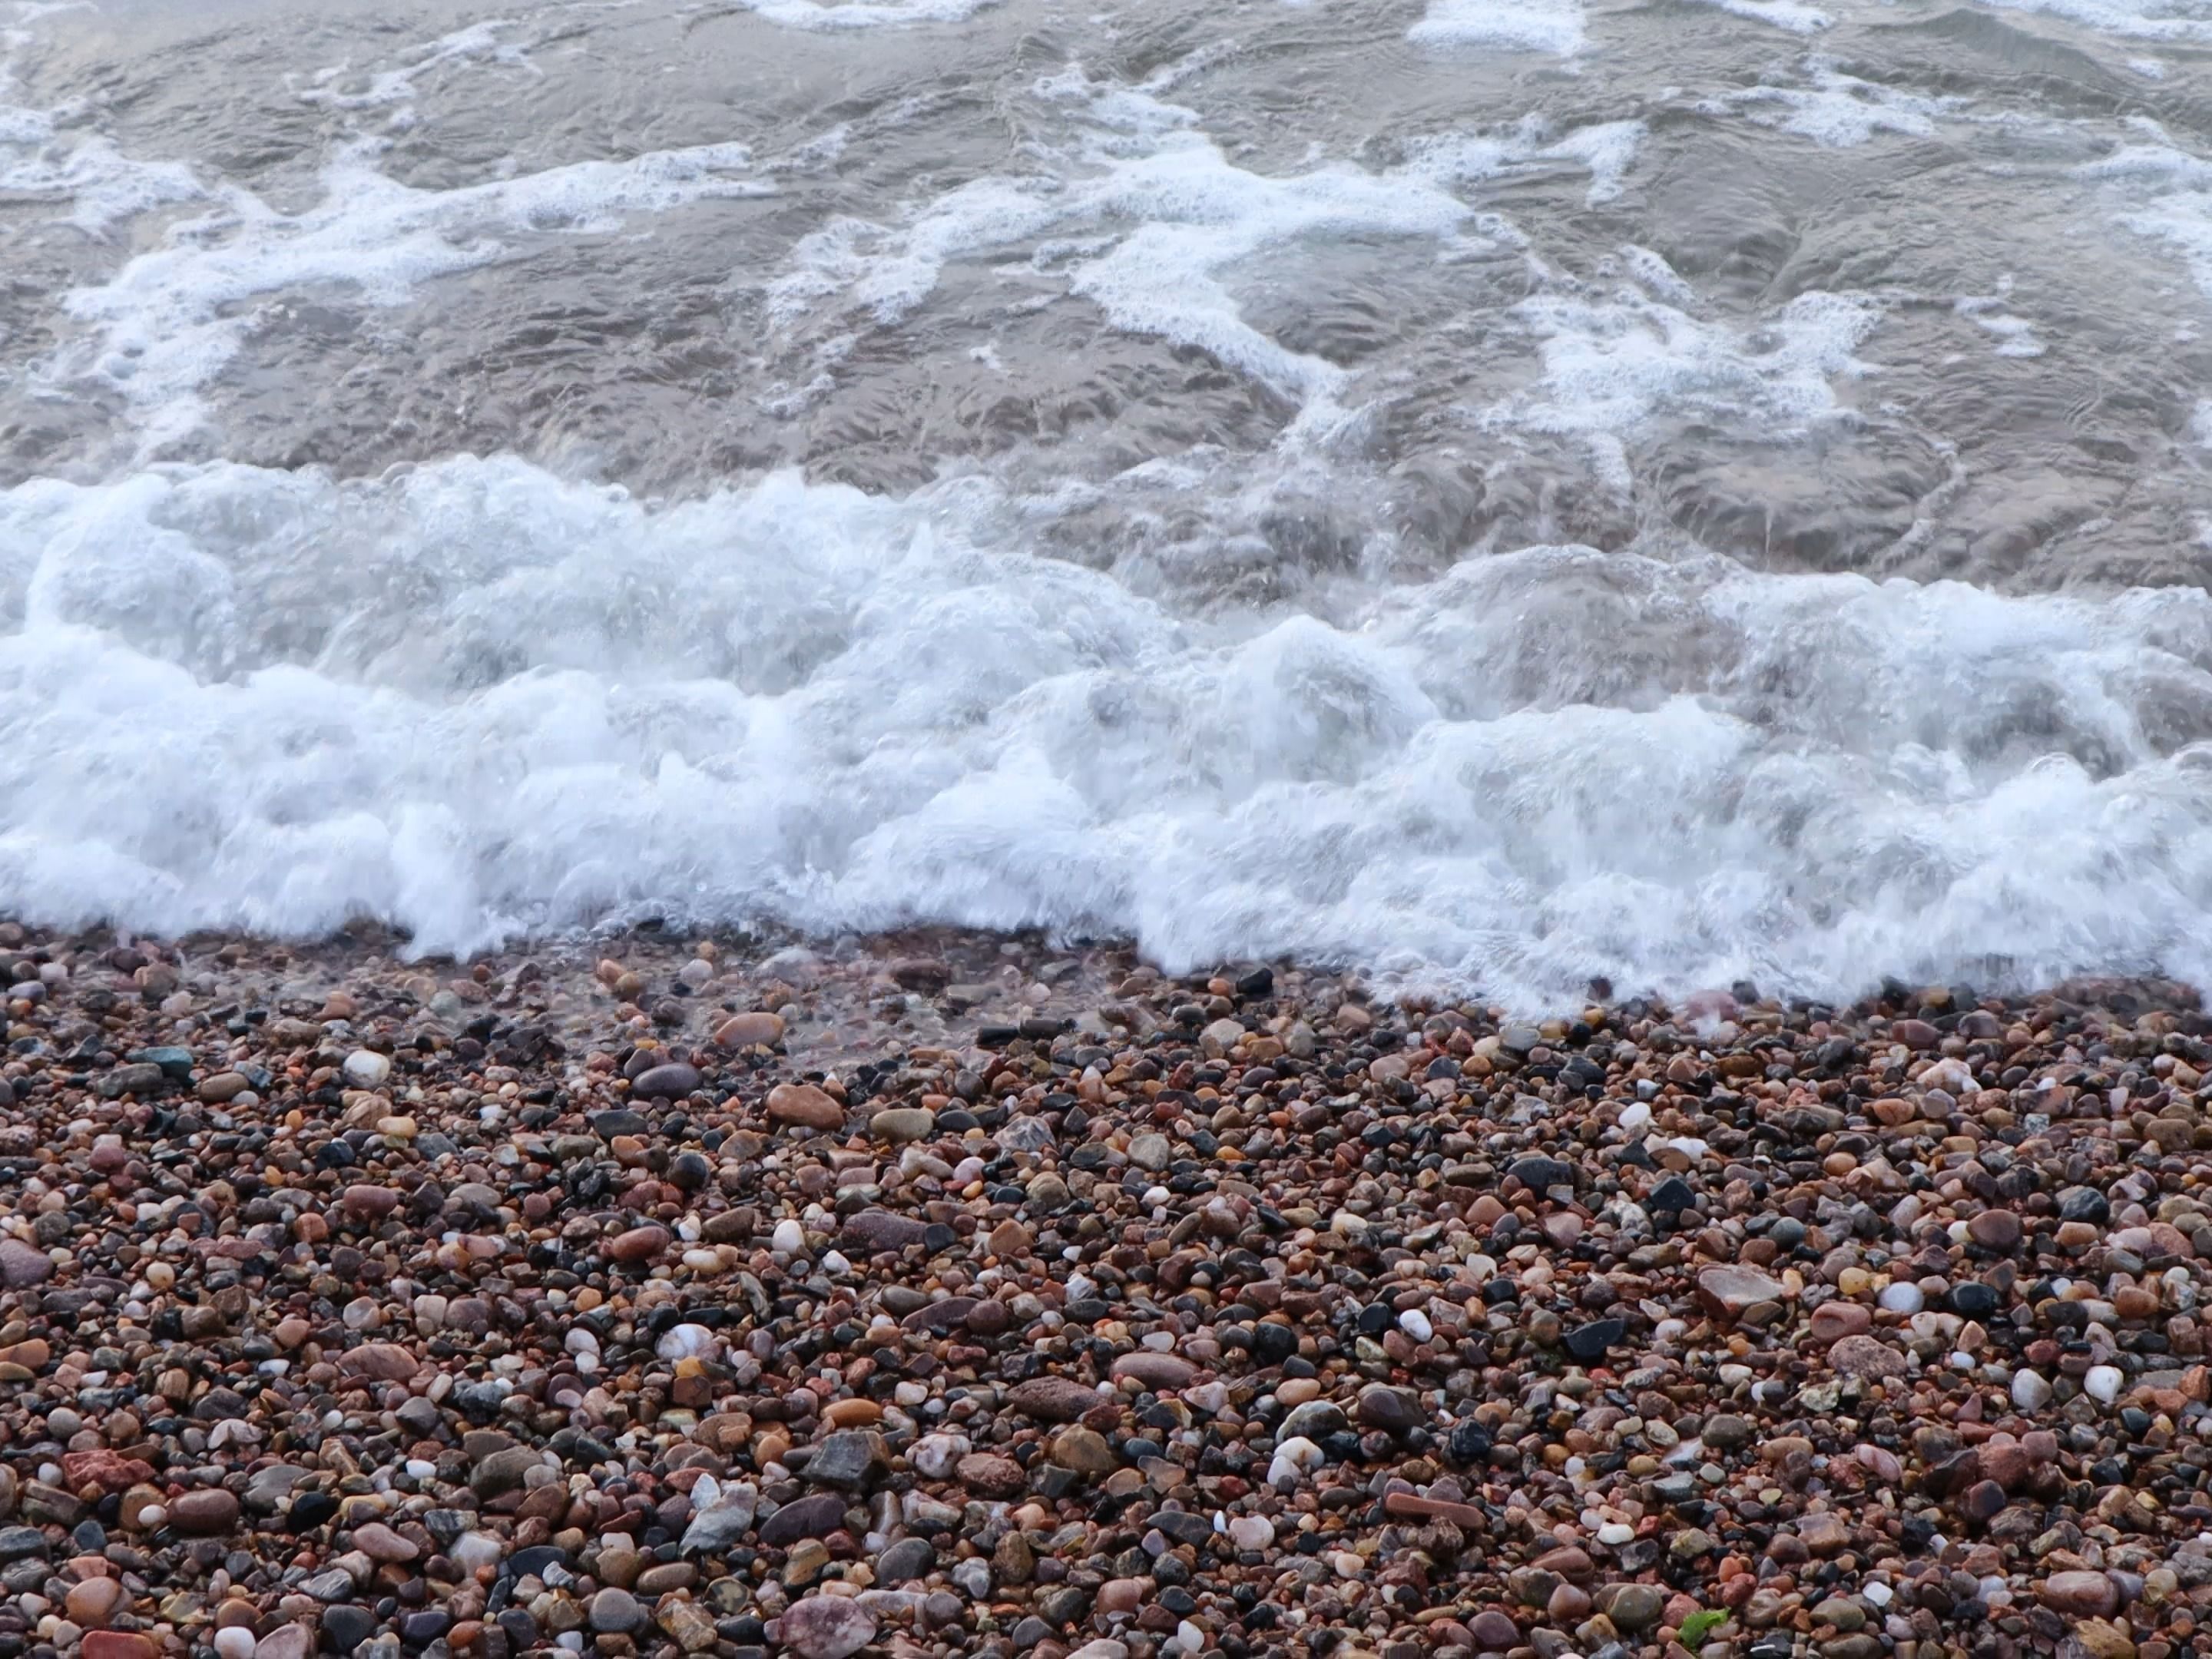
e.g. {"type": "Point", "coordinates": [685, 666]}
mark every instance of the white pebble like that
{"type": "Point", "coordinates": [1415, 1324]}
{"type": "Point", "coordinates": [934, 1455]}
{"type": "Point", "coordinates": [834, 1261]}
{"type": "Point", "coordinates": [1635, 1116]}
{"type": "Point", "coordinates": [234, 1642]}
{"type": "Point", "coordinates": [1878, 1593]}
{"type": "Point", "coordinates": [2102, 1383]}
{"type": "Point", "coordinates": [1251, 1532]}
{"type": "Point", "coordinates": [365, 1068]}
{"type": "Point", "coordinates": [686, 1342]}
{"type": "Point", "coordinates": [1903, 1297]}
{"type": "Point", "coordinates": [1613, 1533]}
{"type": "Point", "coordinates": [1294, 1458]}
{"type": "Point", "coordinates": [789, 1237]}
{"type": "Point", "coordinates": [2030, 1392]}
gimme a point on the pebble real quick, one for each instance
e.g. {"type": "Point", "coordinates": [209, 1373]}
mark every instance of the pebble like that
{"type": "Point", "coordinates": [826, 1627]}
{"type": "Point", "coordinates": [1194, 1298]}
{"type": "Point", "coordinates": [367, 1069]}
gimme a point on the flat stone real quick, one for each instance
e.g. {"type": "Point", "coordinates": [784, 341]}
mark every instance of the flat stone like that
{"type": "Point", "coordinates": [1588, 1343]}
{"type": "Point", "coordinates": [386, 1362]}
{"type": "Point", "coordinates": [638, 1244]}
{"type": "Point", "coordinates": [2079, 1594]}
{"type": "Point", "coordinates": [1729, 1292]}
{"type": "Point", "coordinates": [1084, 1451]}
{"type": "Point", "coordinates": [1866, 1357]}
{"type": "Point", "coordinates": [1540, 1175]}
{"type": "Point", "coordinates": [749, 1031]}
{"type": "Point", "coordinates": [617, 1611]}
{"type": "Point", "coordinates": [22, 1266]}
{"type": "Point", "coordinates": [883, 1230]}
{"type": "Point", "coordinates": [1392, 1410]}
{"type": "Point", "coordinates": [1493, 1631]}
{"type": "Point", "coordinates": [1995, 1229]}
{"type": "Point", "coordinates": [1633, 1607]}
{"type": "Point", "coordinates": [826, 1627]}
{"type": "Point", "coordinates": [816, 1516]}
{"type": "Point", "coordinates": [503, 1471]}
{"type": "Point", "coordinates": [801, 1105]}
{"type": "Point", "coordinates": [1051, 1398]}
{"type": "Point", "coordinates": [1162, 1373]}
{"type": "Point", "coordinates": [1834, 1320]}
{"type": "Point", "coordinates": [905, 1561]}
{"type": "Point", "coordinates": [903, 1124]}
{"type": "Point", "coordinates": [992, 1475]}
{"type": "Point", "coordinates": [850, 1457]}
{"type": "Point", "coordinates": [203, 1513]}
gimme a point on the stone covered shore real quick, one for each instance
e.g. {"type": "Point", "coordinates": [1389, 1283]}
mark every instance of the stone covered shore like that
{"type": "Point", "coordinates": [954, 1294]}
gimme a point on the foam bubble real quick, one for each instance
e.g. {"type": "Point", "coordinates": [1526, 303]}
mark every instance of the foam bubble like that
{"type": "Point", "coordinates": [2141, 20]}
{"type": "Point", "coordinates": [169, 320]}
{"type": "Point", "coordinates": [1993, 314]}
{"type": "Point", "coordinates": [1835, 109]}
{"type": "Point", "coordinates": [99, 183]}
{"type": "Point", "coordinates": [1792, 14]}
{"type": "Point", "coordinates": [1147, 217]}
{"type": "Point", "coordinates": [477, 43]}
{"type": "Point", "coordinates": [472, 699]}
{"type": "Point", "coordinates": [831, 15]}
{"type": "Point", "coordinates": [1615, 361]}
{"type": "Point", "coordinates": [1553, 26]}
{"type": "Point", "coordinates": [2170, 191]}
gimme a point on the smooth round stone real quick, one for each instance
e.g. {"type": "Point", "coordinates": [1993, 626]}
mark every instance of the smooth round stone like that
{"type": "Point", "coordinates": [1251, 1532]}
{"type": "Point", "coordinates": [234, 1642]}
{"type": "Point", "coordinates": [789, 1237]}
{"type": "Point", "coordinates": [365, 1068]}
{"type": "Point", "coordinates": [2102, 1383]}
{"type": "Point", "coordinates": [1903, 1297]}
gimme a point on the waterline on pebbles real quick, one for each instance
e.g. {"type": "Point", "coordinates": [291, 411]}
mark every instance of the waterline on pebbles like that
{"type": "Point", "coordinates": [1425, 1325]}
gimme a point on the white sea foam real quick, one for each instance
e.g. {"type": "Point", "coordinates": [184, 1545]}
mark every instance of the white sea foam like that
{"type": "Point", "coordinates": [2167, 193]}
{"type": "Point", "coordinates": [1835, 109]}
{"type": "Point", "coordinates": [170, 319]}
{"type": "Point", "coordinates": [473, 698]}
{"type": "Point", "coordinates": [2141, 20]}
{"type": "Point", "coordinates": [1616, 361]}
{"type": "Point", "coordinates": [1147, 217]}
{"type": "Point", "coordinates": [1993, 314]}
{"type": "Point", "coordinates": [479, 43]}
{"type": "Point", "coordinates": [1553, 26]}
{"type": "Point", "coordinates": [1792, 14]}
{"type": "Point", "coordinates": [825, 14]}
{"type": "Point", "coordinates": [42, 161]}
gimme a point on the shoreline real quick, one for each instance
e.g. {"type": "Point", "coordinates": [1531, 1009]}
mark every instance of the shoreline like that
{"type": "Point", "coordinates": [952, 1294]}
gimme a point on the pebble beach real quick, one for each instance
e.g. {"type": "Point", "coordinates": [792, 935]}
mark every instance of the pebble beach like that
{"type": "Point", "coordinates": [951, 1294]}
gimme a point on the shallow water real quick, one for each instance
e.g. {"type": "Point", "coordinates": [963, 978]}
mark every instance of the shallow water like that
{"type": "Point", "coordinates": [1505, 490]}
